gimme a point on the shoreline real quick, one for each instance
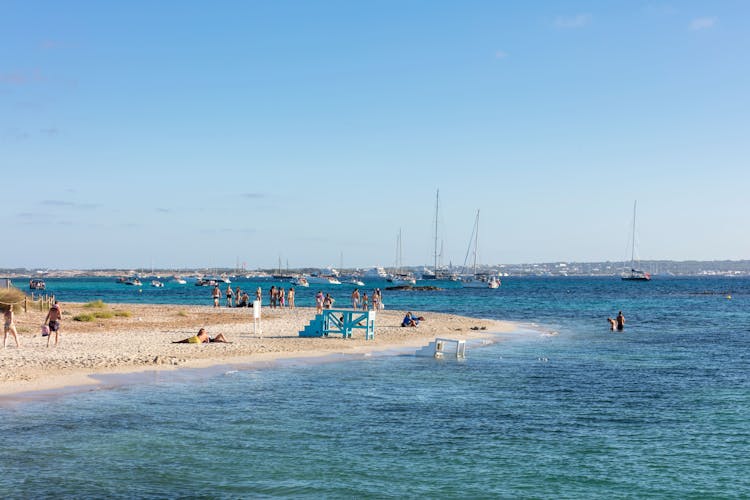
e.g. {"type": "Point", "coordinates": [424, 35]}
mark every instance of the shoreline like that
{"type": "Point", "coordinates": [140, 344]}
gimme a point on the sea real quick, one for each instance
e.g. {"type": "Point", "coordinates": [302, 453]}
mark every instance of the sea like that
{"type": "Point", "coordinates": [560, 408]}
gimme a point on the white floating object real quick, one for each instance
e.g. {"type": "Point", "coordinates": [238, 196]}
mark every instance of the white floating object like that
{"type": "Point", "coordinates": [443, 347]}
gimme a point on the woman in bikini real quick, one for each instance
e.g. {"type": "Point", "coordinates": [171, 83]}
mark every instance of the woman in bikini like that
{"type": "Point", "coordinates": [10, 326]}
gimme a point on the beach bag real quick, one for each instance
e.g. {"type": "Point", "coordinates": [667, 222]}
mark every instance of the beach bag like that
{"type": "Point", "coordinates": [45, 330]}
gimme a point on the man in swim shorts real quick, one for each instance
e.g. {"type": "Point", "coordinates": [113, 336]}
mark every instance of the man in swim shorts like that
{"type": "Point", "coordinates": [54, 316]}
{"type": "Point", "coordinates": [620, 321]}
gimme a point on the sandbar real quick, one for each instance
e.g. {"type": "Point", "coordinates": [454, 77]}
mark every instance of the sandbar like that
{"type": "Point", "coordinates": [138, 337]}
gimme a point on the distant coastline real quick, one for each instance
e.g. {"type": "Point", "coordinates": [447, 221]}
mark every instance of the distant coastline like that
{"type": "Point", "coordinates": [559, 268]}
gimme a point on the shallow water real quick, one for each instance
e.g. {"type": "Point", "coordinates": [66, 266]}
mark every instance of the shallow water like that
{"type": "Point", "coordinates": [569, 410]}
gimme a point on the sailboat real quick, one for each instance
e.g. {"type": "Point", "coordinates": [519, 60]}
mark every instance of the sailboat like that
{"type": "Point", "coordinates": [438, 273]}
{"type": "Point", "coordinates": [634, 274]}
{"type": "Point", "coordinates": [400, 277]}
{"type": "Point", "coordinates": [477, 280]}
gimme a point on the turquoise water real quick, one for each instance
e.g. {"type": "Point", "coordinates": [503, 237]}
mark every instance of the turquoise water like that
{"type": "Point", "coordinates": [567, 410]}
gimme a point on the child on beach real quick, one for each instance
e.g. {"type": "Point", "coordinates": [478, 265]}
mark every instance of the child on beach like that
{"type": "Point", "coordinates": [364, 301]}
{"type": "Point", "coordinates": [10, 326]}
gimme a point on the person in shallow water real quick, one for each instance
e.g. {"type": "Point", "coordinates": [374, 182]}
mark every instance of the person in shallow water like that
{"type": "Point", "coordinates": [201, 338]}
{"type": "Point", "coordinates": [612, 324]}
{"type": "Point", "coordinates": [620, 321]}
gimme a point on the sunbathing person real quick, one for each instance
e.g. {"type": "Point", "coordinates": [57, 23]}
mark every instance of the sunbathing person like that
{"type": "Point", "coordinates": [201, 338]}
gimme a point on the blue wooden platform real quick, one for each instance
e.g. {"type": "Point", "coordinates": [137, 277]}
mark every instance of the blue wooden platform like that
{"type": "Point", "coordinates": [342, 322]}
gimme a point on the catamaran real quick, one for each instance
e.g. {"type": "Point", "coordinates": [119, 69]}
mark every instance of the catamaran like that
{"type": "Point", "coordinates": [634, 274]}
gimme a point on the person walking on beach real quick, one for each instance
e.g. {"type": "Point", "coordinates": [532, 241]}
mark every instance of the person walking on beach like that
{"type": "Point", "coordinates": [229, 296]}
{"type": "Point", "coordinates": [355, 298]}
{"type": "Point", "coordinates": [620, 321]}
{"type": "Point", "coordinates": [216, 294]}
{"type": "Point", "coordinates": [319, 302]}
{"type": "Point", "coordinates": [290, 297]}
{"type": "Point", "coordinates": [53, 319]}
{"type": "Point", "coordinates": [10, 326]}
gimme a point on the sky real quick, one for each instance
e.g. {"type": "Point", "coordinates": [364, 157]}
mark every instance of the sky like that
{"type": "Point", "coordinates": [205, 134]}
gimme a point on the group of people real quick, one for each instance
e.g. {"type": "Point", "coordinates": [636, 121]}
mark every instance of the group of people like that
{"type": "Point", "coordinates": [617, 323]}
{"type": "Point", "coordinates": [363, 300]}
{"type": "Point", "coordinates": [50, 326]}
{"type": "Point", "coordinates": [277, 297]}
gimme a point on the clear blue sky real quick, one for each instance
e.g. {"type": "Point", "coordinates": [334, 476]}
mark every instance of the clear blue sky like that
{"type": "Point", "coordinates": [198, 133]}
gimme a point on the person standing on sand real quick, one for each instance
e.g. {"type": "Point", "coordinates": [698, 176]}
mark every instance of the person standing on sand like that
{"type": "Point", "coordinates": [258, 294]}
{"type": "Point", "coordinates": [10, 326]}
{"type": "Point", "coordinates": [319, 302]}
{"type": "Point", "coordinates": [216, 294]}
{"type": "Point", "coordinates": [290, 297]}
{"type": "Point", "coordinates": [53, 319]}
{"type": "Point", "coordinates": [328, 301]}
{"type": "Point", "coordinates": [620, 321]}
{"type": "Point", "coordinates": [272, 297]}
{"type": "Point", "coordinates": [355, 298]}
{"type": "Point", "coordinates": [364, 301]}
{"type": "Point", "coordinates": [282, 297]}
{"type": "Point", "coordinates": [237, 295]}
{"type": "Point", "coordinates": [229, 296]}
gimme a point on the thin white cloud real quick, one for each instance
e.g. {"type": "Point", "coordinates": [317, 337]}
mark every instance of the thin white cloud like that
{"type": "Point", "coordinates": [702, 23]}
{"type": "Point", "coordinates": [573, 22]}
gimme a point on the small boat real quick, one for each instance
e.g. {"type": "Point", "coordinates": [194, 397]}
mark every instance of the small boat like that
{"type": "Point", "coordinates": [37, 284]}
{"type": "Point", "coordinates": [133, 282]}
{"type": "Point", "coordinates": [323, 280]}
{"type": "Point", "coordinates": [480, 281]}
{"type": "Point", "coordinates": [475, 279]}
{"type": "Point", "coordinates": [634, 274]}
{"type": "Point", "coordinates": [206, 282]}
{"type": "Point", "coordinates": [402, 279]}
{"type": "Point", "coordinates": [301, 281]}
{"type": "Point", "coordinates": [178, 280]}
{"type": "Point", "coordinates": [157, 284]}
{"type": "Point", "coordinates": [356, 282]}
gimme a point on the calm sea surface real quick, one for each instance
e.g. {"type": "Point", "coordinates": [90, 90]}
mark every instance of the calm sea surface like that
{"type": "Point", "coordinates": [565, 409]}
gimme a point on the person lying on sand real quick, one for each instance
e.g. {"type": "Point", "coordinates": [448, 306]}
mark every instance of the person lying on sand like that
{"type": "Point", "coordinates": [201, 338]}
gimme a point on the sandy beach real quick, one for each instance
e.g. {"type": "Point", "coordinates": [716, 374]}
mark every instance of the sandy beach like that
{"type": "Point", "coordinates": [136, 337]}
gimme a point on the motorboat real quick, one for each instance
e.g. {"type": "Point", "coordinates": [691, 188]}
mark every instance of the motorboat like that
{"type": "Point", "coordinates": [178, 280]}
{"type": "Point", "coordinates": [133, 282]}
{"type": "Point", "coordinates": [322, 280]}
{"type": "Point", "coordinates": [402, 279]}
{"type": "Point", "coordinates": [300, 281]}
{"type": "Point", "coordinates": [37, 284]}
{"type": "Point", "coordinates": [206, 282]}
{"type": "Point", "coordinates": [157, 284]}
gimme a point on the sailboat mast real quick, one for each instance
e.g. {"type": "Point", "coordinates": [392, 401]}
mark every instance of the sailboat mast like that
{"type": "Point", "coordinates": [437, 205]}
{"type": "Point", "coordinates": [632, 251]}
{"type": "Point", "coordinates": [476, 241]}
